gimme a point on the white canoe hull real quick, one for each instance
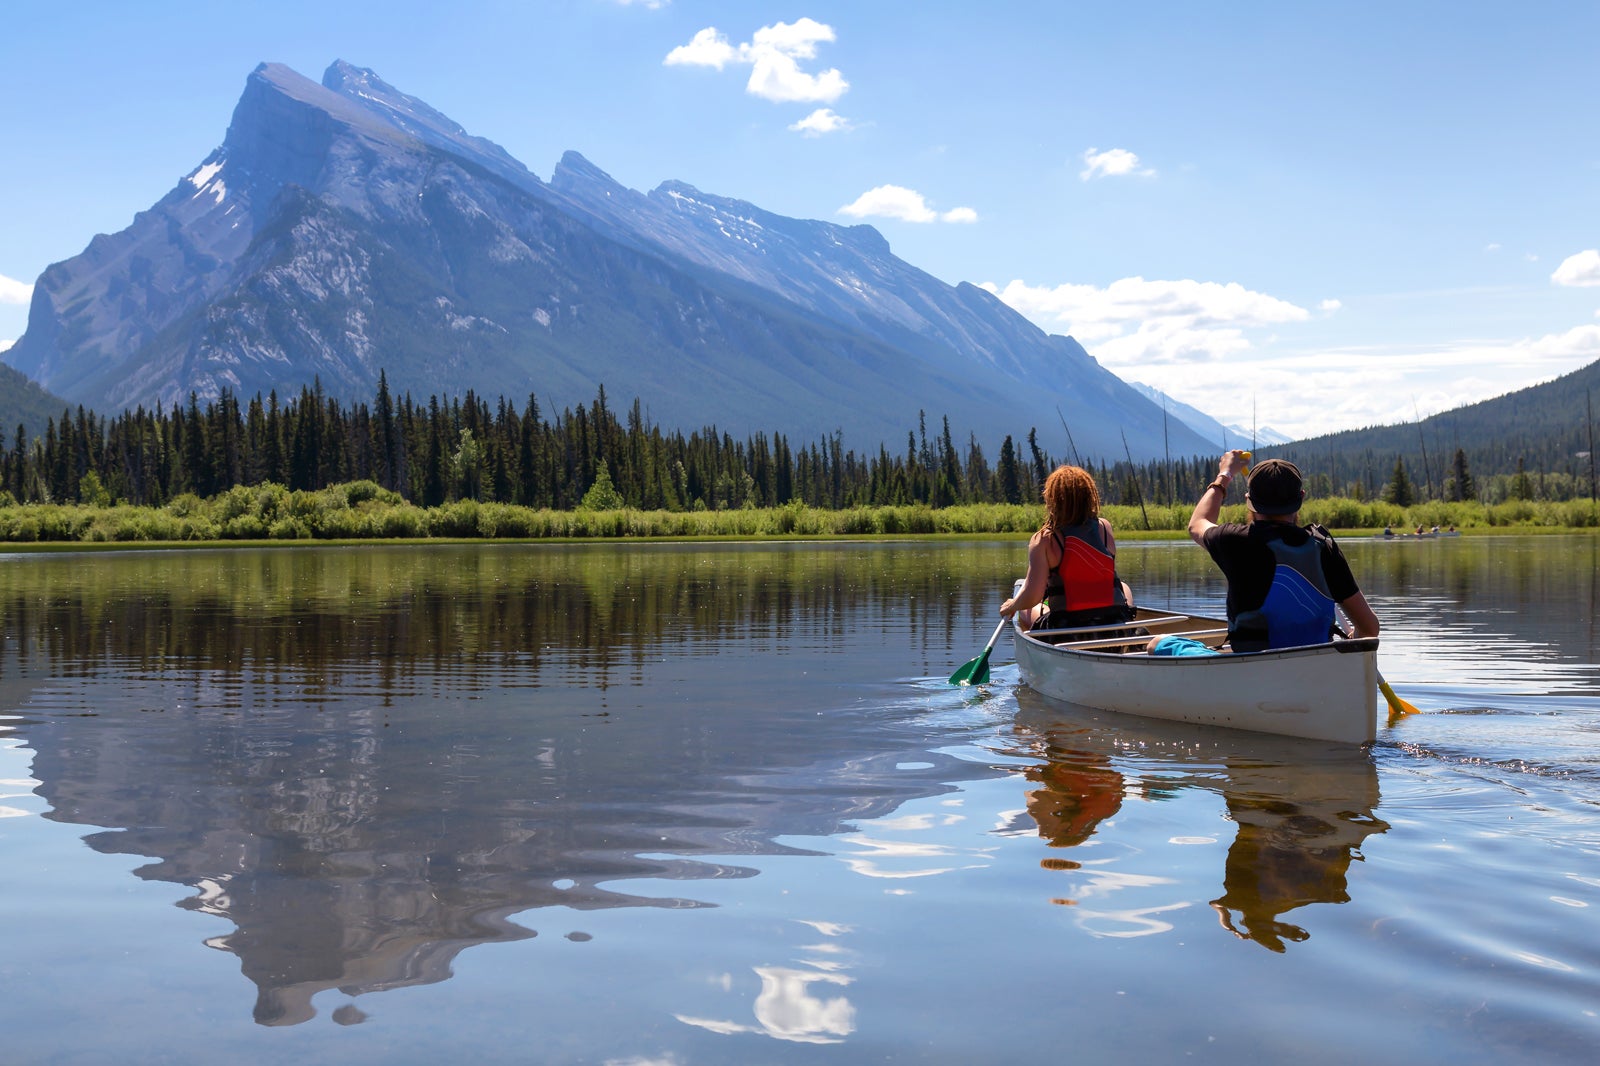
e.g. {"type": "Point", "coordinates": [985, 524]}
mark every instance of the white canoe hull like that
{"type": "Point", "coordinates": [1322, 692]}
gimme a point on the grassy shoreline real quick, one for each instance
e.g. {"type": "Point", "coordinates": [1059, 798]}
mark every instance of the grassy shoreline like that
{"type": "Point", "coordinates": [362, 513]}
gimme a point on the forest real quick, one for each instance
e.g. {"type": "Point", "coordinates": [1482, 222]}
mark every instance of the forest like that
{"type": "Point", "coordinates": [588, 457]}
{"type": "Point", "coordinates": [465, 449]}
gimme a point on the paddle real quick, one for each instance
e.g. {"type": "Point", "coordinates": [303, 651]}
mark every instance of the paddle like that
{"type": "Point", "coordinates": [1396, 704]}
{"type": "Point", "coordinates": [976, 672]}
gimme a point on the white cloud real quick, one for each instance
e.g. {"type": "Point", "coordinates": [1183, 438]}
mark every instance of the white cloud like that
{"type": "Point", "coordinates": [5, 344]}
{"type": "Point", "coordinates": [773, 54]}
{"type": "Point", "coordinates": [1153, 317]}
{"type": "Point", "coordinates": [1203, 344]}
{"type": "Point", "coordinates": [1172, 335]}
{"type": "Point", "coordinates": [822, 120]}
{"type": "Point", "coordinates": [907, 205]}
{"type": "Point", "coordinates": [1113, 162]}
{"type": "Point", "coordinates": [1582, 269]}
{"type": "Point", "coordinates": [1312, 388]}
{"type": "Point", "coordinates": [1233, 353]}
{"type": "Point", "coordinates": [708, 48]}
{"type": "Point", "coordinates": [652, 5]}
{"type": "Point", "coordinates": [1492, 246]}
{"type": "Point", "coordinates": [14, 292]}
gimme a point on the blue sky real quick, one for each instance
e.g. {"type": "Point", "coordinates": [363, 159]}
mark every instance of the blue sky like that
{"type": "Point", "coordinates": [1318, 217]}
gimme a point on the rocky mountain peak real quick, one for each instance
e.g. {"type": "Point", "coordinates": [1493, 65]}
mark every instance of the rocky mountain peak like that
{"type": "Point", "coordinates": [346, 227]}
{"type": "Point", "coordinates": [382, 101]}
{"type": "Point", "coordinates": [575, 170]}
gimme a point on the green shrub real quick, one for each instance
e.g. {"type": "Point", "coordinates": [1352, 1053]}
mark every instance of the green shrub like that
{"type": "Point", "coordinates": [244, 527]}
{"type": "Point", "coordinates": [343, 524]}
{"type": "Point", "coordinates": [289, 528]}
{"type": "Point", "coordinates": [24, 529]}
{"type": "Point", "coordinates": [459, 519]}
{"type": "Point", "coordinates": [185, 504]}
{"type": "Point", "coordinates": [237, 501]}
{"type": "Point", "coordinates": [402, 521]}
{"type": "Point", "coordinates": [359, 492]}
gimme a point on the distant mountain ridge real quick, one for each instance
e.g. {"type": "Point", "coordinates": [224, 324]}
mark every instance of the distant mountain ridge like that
{"type": "Point", "coordinates": [346, 228]}
{"type": "Point", "coordinates": [1546, 428]}
{"type": "Point", "coordinates": [23, 403]}
{"type": "Point", "coordinates": [1230, 436]}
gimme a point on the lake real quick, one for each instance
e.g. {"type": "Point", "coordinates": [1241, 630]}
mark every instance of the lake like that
{"type": "Point", "coordinates": [715, 803]}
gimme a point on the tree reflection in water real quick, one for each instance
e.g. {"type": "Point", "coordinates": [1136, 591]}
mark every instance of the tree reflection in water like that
{"type": "Point", "coordinates": [368, 760]}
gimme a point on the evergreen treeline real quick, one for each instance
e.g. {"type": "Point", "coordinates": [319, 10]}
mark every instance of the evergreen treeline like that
{"type": "Point", "coordinates": [444, 451]}
{"type": "Point", "coordinates": [467, 449]}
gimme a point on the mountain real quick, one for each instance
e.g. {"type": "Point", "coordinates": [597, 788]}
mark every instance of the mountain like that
{"type": "Point", "coordinates": [1549, 428]}
{"type": "Point", "coordinates": [346, 228]}
{"type": "Point", "coordinates": [1230, 436]}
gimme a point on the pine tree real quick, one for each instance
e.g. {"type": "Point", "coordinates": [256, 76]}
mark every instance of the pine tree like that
{"type": "Point", "coordinates": [434, 476]}
{"type": "Point", "coordinates": [602, 495]}
{"type": "Point", "coordinates": [1461, 487]}
{"type": "Point", "coordinates": [390, 451]}
{"type": "Point", "coordinates": [1006, 474]}
{"type": "Point", "coordinates": [1521, 485]}
{"type": "Point", "coordinates": [1399, 491]}
{"type": "Point", "coordinates": [17, 473]}
{"type": "Point", "coordinates": [1040, 470]}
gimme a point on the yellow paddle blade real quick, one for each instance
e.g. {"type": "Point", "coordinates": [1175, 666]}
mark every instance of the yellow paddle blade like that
{"type": "Point", "coordinates": [1396, 704]}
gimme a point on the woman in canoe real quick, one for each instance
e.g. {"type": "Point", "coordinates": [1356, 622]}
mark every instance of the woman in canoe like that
{"type": "Point", "coordinates": [1072, 574]}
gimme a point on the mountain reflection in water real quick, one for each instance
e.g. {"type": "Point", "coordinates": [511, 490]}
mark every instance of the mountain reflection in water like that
{"type": "Point", "coordinates": [368, 761]}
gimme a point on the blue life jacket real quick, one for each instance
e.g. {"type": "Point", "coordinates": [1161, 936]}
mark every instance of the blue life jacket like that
{"type": "Point", "coordinates": [1299, 609]}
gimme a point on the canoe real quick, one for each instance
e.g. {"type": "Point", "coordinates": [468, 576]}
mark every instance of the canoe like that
{"type": "Point", "coordinates": [1417, 536]}
{"type": "Point", "coordinates": [1321, 692]}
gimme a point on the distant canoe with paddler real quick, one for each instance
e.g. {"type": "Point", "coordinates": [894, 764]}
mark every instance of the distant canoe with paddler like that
{"type": "Point", "coordinates": [1435, 534]}
{"type": "Point", "coordinates": [1319, 692]}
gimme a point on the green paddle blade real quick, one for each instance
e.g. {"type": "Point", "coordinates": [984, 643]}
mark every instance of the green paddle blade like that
{"type": "Point", "coordinates": [975, 672]}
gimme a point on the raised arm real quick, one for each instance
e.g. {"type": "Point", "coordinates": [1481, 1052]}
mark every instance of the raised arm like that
{"type": "Point", "coordinates": [1209, 509]}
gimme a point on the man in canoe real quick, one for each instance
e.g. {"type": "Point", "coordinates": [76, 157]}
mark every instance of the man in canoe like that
{"type": "Point", "coordinates": [1072, 561]}
{"type": "Point", "coordinates": [1283, 578]}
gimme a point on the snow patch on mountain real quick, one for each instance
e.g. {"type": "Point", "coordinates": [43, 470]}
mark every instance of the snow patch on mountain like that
{"type": "Point", "coordinates": [205, 180]}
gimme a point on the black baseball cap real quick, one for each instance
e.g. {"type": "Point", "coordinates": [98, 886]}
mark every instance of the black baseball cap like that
{"type": "Point", "coordinates": [1275, 488]}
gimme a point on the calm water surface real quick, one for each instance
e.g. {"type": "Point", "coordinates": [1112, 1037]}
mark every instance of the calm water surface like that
{"type": "Point", "coordinates": [682, 804]}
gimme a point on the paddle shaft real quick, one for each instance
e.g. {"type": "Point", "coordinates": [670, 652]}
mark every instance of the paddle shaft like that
{"type": "Point", "coordinates": [995, 637]}
{"type": "Point", "coordinates": [1396, 704]}
{"type": "Point", "coordinates": [976, 672]}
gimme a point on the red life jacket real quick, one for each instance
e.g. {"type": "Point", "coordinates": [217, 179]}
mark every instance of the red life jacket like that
{"type": "Point", "coordinates": [1086, 578]}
